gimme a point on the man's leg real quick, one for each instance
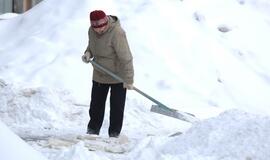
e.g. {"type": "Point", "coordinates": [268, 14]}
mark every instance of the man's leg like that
{"type": "Point", "coordinates": [97, 107]}
{"type": "Point", "coordinates": [117, 106]}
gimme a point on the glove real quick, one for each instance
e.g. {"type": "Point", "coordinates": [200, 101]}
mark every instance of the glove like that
{"type": "Point", "coordinates": [128, 86]}
{"type": "Point", "coordinates": [86, 57]}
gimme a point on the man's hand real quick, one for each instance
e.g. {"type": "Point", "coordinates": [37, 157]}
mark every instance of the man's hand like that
{"type": "Point", "coordinates": [128, 86]}
{"type": "Point", "coordinates": [86, 57]}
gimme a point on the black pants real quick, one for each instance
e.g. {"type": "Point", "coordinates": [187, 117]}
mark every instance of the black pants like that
{"type": "Point", "coordinates": [97, 107]}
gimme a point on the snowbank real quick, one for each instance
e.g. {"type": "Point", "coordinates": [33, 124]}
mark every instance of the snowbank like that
{"type": "Point", "coordinates": [198, 68]}
{"type": "Point", "coordinates": [14, 148]}
{"type": "Point", "coordinates": [233, 135]}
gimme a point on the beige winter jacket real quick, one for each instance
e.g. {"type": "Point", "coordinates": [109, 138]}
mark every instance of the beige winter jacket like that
{"type": "Point", "coordinates": [111, 50]}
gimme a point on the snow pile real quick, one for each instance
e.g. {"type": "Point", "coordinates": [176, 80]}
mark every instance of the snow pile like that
{"type": "Point", "coordinates": [48, 41]}
{"type": "Point", "coordinates": [37, 41]}
{"type": "Point", "coordinates": [233, 135]}
{"type": "Point", "coordinates": [13, 148]}
{"type": "Point", "coordinates": [216, 58]}
{"type": "Point", "coordinates": [38, 107]}
{"type": "Point", "coordinates": [32, 111]}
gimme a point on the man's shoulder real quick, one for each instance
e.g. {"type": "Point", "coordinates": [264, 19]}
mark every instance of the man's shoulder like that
{"type": "Point", "coordinates": [118, 31]}
{"type": "Point", "coordinates": [116, 26]}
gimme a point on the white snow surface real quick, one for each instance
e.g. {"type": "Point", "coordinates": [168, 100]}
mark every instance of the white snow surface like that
{"type": "Point", "coordinates": [7, 16]}
{"type": "Point", "coordinates": [207, 58]}
{"type": "Point", "coordinates": [11, 144]}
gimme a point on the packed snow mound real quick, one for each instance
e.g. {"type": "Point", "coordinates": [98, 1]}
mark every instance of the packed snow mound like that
{"type": "Point", "coordinates": [52, 109]}
{"type": "Point", "coordinates": [39, 107]}
{"type": "Point", "coordinates": [9, 141]}
{"type": "Point", "coordinates": [233, 135]}
{"type": "Point", "coordinates": [41, 39]}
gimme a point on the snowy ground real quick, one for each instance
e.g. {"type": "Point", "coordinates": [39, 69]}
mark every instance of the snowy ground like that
{"type": "Point", "coordinates": [208, 58]}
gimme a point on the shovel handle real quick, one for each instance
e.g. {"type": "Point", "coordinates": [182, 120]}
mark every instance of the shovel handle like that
{"type": "Point", "coordinates": [152, 99]}
{"type": "Point", "coordinates": [100, 67]}
{"type": "Point", "coordinates": [95, 64]}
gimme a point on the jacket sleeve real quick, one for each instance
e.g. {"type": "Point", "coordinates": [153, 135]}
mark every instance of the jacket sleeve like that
{"type": "Point", "coordinates": [124, 55]}
{"type": "Point", "coordinates": [88, 46]}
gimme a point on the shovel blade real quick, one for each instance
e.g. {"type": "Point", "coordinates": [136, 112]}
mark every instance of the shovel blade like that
{"type": "Point", "coordinates": [188, 117]}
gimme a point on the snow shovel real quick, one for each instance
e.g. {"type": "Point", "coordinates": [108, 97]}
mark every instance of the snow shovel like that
{"type": "Point", "coordinates": [159, 107]}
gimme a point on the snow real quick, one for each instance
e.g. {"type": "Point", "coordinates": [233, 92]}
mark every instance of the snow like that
{"type": "Point", "coordinates": [7, 16]}
{"type": "Point", "coordinates": [208, 58]}
{"type": "Point", "coordinates": [231, 135]}
{"type": "Point", "coordinates": [13, 148]}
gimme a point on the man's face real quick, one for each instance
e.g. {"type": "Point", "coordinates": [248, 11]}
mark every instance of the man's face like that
{"type": "Point", "coordinates": [100, 30]}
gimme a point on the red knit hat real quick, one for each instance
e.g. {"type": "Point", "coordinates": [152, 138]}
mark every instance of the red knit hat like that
{"type": "Point", "coordinates": [98, 18]}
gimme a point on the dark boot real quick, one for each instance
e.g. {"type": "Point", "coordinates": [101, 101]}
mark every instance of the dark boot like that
{"type": "Point", "coordinates": [91, 131]}
{"type": "Point", "coordinates": [115, 135]}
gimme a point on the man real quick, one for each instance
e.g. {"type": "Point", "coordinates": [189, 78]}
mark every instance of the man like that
{"type": "Point", "coordinates": [108, 46]}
